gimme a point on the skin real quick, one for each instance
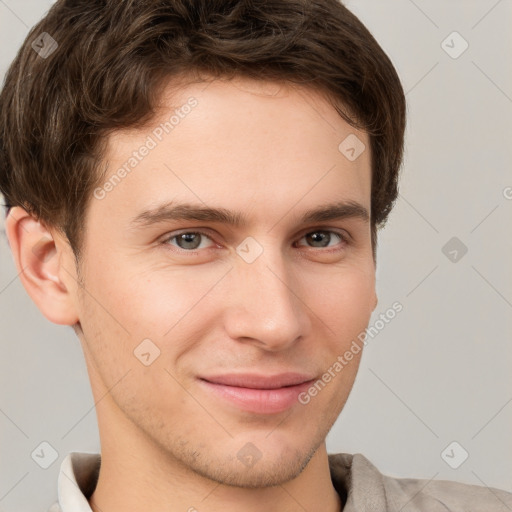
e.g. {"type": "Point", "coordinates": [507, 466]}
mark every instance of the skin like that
{"type": "Point", "coordinates": [264, 150]}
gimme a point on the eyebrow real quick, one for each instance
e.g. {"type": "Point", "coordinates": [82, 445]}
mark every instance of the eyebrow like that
{"type": "Point", "coordinates": [196, 212]}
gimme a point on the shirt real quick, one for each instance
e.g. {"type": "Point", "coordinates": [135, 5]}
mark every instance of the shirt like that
{"type": "Point", "coordinates": [361, 486]}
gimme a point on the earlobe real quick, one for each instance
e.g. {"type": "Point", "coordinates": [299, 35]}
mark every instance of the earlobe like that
{"type": "Point", "coordinates": [41, 260]}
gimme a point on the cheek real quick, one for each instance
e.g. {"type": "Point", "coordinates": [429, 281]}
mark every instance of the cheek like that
{"type": "Point", "coordinates": [167, 300]}
{"type": "Point", "coordinates": [343, 299]}
{"type": "Point", "coordinates": [173, 307]}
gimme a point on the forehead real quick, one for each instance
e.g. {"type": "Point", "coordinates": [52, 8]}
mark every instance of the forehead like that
{"type": "Point", "coordinates": [234, 143]}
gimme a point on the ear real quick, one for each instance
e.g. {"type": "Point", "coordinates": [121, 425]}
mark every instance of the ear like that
{"type": "Point", "coordinates": [45, 264]}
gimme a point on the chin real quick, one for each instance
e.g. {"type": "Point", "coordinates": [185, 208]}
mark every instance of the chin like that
{"type": "Point", "coordinates": [248, 467]}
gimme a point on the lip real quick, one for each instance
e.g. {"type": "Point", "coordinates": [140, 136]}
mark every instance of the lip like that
{"type": "Point", "coordinates": [256, 393]}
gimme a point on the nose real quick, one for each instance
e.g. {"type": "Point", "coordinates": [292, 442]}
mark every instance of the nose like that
{"type": "Point", "coordinates": [266, 304]}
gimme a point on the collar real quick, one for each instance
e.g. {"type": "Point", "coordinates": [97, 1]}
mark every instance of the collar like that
{"type": "Point", "coordinates": [76, 482]}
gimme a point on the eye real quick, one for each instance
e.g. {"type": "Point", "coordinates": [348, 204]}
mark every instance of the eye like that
{"type": "Point", "coordinates": [322, 238]}
{"type": "Point", "coordinates": [188, 240]}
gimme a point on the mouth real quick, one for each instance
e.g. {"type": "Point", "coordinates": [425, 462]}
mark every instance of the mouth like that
{"type": "Point", "coordinates": [256, 393]}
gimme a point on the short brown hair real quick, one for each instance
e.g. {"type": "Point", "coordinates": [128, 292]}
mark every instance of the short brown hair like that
{"type": "Point", "coordinates": [112, 57]}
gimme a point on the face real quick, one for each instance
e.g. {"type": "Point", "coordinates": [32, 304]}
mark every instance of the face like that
{"type": "Point", "coordinates": [169, 301]}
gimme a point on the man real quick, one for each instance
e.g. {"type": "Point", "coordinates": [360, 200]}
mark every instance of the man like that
{"type": "Point", "coordinates": [196, 188]}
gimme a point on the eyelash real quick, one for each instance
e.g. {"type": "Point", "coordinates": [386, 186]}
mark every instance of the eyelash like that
{"type": "Point", "coordinates": [344, 240]}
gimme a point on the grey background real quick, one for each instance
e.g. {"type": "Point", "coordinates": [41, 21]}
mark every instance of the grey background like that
{"type": "Point", "coordinates": [440, 371]}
